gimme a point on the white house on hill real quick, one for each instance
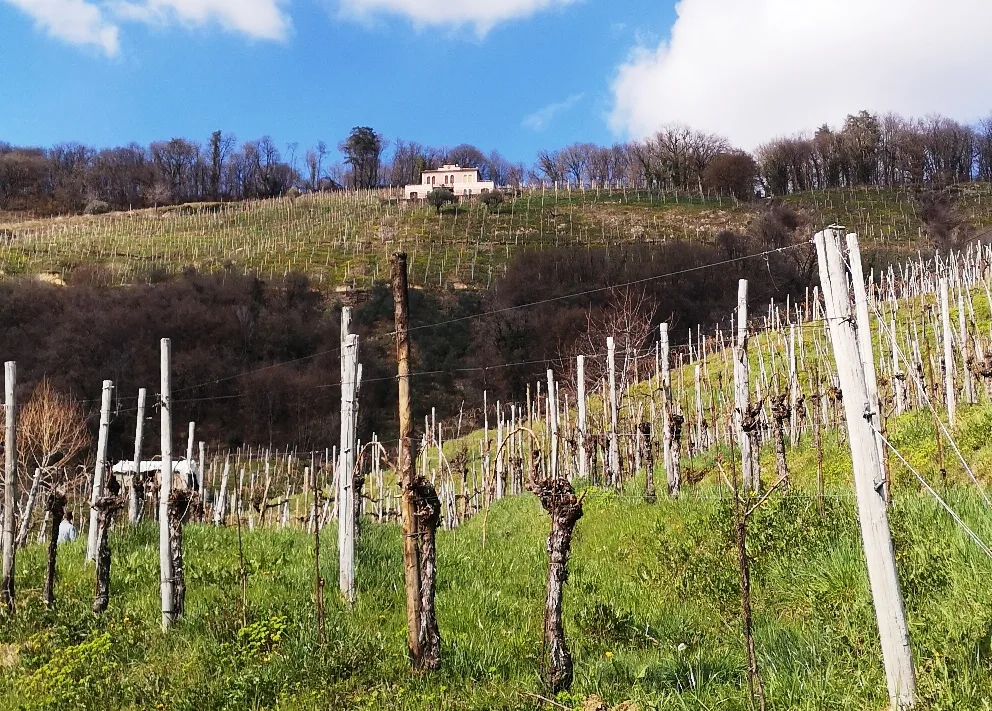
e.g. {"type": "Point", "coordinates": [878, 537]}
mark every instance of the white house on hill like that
{"type": "Point", "coordinates": [463, 182]}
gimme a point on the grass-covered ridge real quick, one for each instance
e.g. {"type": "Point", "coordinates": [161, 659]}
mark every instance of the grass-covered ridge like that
{"type": "Point", "coordinates": [345, 239]}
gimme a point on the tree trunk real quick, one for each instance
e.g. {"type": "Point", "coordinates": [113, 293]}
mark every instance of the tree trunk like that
{"type": "Point", "coordinates": [559, 500]}
{"type": "Point", "coordinates": [647, 455]}
{"type": "Point", "coordinates": [105, 507]}
{"type": "Point", "coordinates": [55, 505]}
{"type": "Point", "coordinates": [675, 423]}
{"type": "Point", "coordinates": [181, 503]}
{"type": "Point", "coordinates": [428, 512]}
{"type": "Point", "coordinates": [781, 411]}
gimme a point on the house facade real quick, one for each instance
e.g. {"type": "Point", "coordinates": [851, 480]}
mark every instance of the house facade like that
{"type": "Point", "coordinates": [463, 182]}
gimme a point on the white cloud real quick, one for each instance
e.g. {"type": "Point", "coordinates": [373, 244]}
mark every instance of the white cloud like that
{"type": "Point", "coordinates": [483, 14]}
{"type": "Point", "coordinates": [756, 69]}
{"type": "Point", "coordinates": [540, 119]}
{"type": "Point", "coordinates": [73, 21]}
{"type": "Point", "coordinates": [97, 22]}
{"type": "Point", "coordinates": [261, 19]}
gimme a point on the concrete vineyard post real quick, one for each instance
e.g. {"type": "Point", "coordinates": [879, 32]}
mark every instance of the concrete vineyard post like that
{"type": "Point", "coordinates": [742, 393]}
{"type": "Point", "coordinates": [99, 470]}
{"type": "Point", "coordinates": [10, 483]}
{"type": "Point", "coordinates": [580, 401]}
{"type": "Point", "coordinates": [346, 458]}
{"type": "Point", "coordinates": [165, 488]}
{"type": "Point", "coordinates": [614, 445]}
{"type": "Point", "coordinates": [137, 480]}
{"type": "Point", "coordinates": [945, 324]}
{"type": "Point", "coordinates": [868, 474]}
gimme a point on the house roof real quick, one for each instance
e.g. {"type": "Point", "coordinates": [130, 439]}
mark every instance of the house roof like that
{"type": "Point", "coordinates": [449, 168]}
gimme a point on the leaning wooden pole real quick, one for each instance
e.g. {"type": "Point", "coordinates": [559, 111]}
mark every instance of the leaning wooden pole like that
{"type": "Point", "coordinates": [868, 473]}
{"type": "Point", "coordinates": [166, 571]}
{"type": "Point", "coordinates": [404, 459]}
{"type": "Point", "coordinates": [10, 484]}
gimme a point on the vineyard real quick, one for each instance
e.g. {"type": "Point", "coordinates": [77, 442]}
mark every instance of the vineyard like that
{"type": "Point", "coordinates": [704, 547]}
{"type": "Point", "coordinates": [343, 240]}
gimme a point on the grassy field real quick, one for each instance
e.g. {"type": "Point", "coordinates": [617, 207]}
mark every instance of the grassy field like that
{"type": "Point", "coordinates": [344, 240]}
{"type": "Point", "coordinates": [651, 608]}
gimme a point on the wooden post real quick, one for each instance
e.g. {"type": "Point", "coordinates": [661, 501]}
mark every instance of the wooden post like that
{"type": "Point", "coordinates": [742, 391]}
{"type": "Point", "coordinates": [580, 402]}
{"type": "Point", "coordinates": [868, 474]}
{"type": "Point", "coordinates": [553, 415]}
{"type": "Point", "coordinates": [864, 339]}
{"type": "Point", "coordinates": [165, 489]}
{"type": "Point", "coordinates": [671, 473]}
{"type": "Point", "coordinates": [10, 484]}
{"type": "Point", "coordinates": [201, 466]}
{"type": "Point", "coordinates": [99, 470]}
{"type": "Point", "coordinates": [965, 347]}
{"type": "Point", "coordinates": [137, 492]}
{"type": "Point", "coordinates": [404, 459]}
{"type": "Point", "coordinates": [346, 459]}
{"type": "Point", "coordinates": [614, 445]}
{"type": "Point", "coordinates": [945, 324]}
{"type": "Point", "coordinates": [191, 475]}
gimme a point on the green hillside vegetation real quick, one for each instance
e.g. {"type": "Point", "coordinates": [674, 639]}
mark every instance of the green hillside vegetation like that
{"type": "Point", "coordinates": [345, 239]}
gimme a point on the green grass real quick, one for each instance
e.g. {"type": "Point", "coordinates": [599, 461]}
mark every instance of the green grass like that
{"type": "Point", "coordinates": [651, 608]}
{"type": "Point", "coordinates": [346, 239]}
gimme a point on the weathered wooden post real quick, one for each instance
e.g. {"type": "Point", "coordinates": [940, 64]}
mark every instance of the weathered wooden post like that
{"type": "Point", "coordinates": [868, 473]}
{"type": "Point", "coordinates": [553, 415]}
{"type": "Point", "coordinates": [423, 639]}
{"type": "Point", "coordinates": [580, 401]}
{"type": "Point", "coordinates": [614, 444]}
{"type": "Point", "coordinates": [945, 324]}
{"type": "Point", "coordinates": [346, 460]}
{"type": "Point", "coordinates": [864, 339]}
{"type": "Point", "coordinates": [99, 470]}
{"type": "Point", "coordinates": [137, 493]}
{"type": "Point", "coordinates": [191, 474]}
{"type": "Point", "coordinates": [742, 392]}
{"type": "Point", "coordinates": [10, 484]}
{"type": "Point", "coordinates": [167, 573]}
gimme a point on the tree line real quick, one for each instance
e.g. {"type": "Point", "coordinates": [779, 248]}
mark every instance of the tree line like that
{"type": "Point", "coordinates": [867, 150]}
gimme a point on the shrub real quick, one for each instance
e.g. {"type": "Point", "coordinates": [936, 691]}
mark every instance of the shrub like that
{"type": "Point", "coordinates": [492, 200]}
{"type": "Point", "coordinates": [96, 207]}
{"type": "Point", "coordinates": [293, 193]}
{"type": "Point", "coordinates": [439, 197]}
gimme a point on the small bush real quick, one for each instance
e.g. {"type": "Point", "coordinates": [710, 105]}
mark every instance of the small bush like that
{"type": "Point", "coordinates": [96, 207]}
{"type": "Point", "coordinates": [492, 200]}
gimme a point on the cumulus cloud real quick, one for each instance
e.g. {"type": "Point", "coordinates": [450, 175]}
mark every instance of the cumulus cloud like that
{"type": "Point", "coordinates": [261, 19]}
{"type": "Point", "coordinates": [73, 21]}
{"type": "Point", "coordinates": [756, 69]}
{"type": "Point", "coordinates": [540, 119]}
{"type": "Point", "coordinates": [483, 14]}
{"type": "Point", "coordinates": [97, 22]}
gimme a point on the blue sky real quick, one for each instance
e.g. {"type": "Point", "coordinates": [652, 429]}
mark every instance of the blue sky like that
{"type": "Point", "coordinates": [528, 83]}
{"type": "Point", "coordinates": [514, 75]}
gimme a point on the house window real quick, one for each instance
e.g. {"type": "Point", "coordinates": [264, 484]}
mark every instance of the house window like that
{"type": "Point", "coordinates": [413, 196]}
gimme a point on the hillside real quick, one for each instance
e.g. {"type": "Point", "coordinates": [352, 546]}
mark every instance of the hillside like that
{"type": "Point", "coordinates": [344, 239]}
